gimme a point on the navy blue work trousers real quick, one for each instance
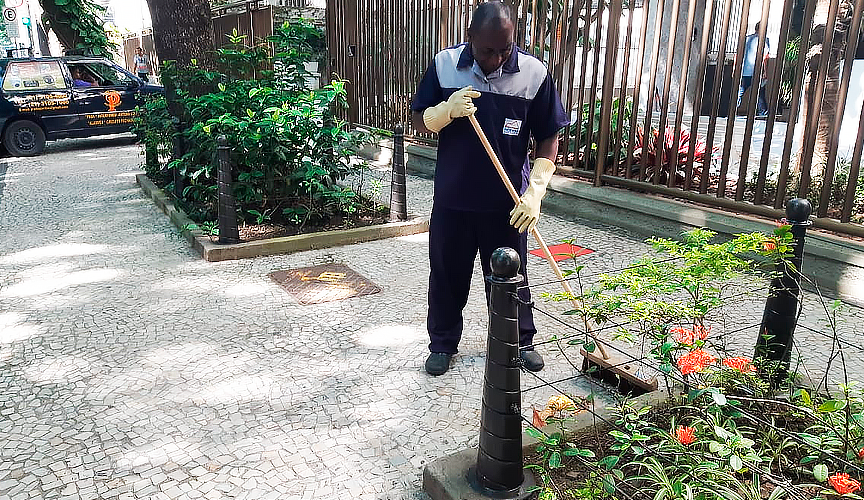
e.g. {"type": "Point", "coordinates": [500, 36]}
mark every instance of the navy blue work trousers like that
{"type": "Point", "coordinates": [455, 236]}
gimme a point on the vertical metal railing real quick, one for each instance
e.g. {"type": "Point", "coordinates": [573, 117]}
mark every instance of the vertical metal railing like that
{"type": "Point", "coordinates": [700, 150]}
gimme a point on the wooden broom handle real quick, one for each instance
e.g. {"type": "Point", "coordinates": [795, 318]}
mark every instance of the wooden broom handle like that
{"type": "Point", "coordinates": [534, 232]}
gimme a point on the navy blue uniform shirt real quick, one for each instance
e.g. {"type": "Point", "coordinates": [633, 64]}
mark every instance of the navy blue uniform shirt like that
{"type": "Point", "coordinates": [518, 100]}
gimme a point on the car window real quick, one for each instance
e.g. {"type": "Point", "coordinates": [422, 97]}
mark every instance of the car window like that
{"type": "Point", "coordinates": [101, 74]}
{"type": "Point", "coordinates": [34, 75]}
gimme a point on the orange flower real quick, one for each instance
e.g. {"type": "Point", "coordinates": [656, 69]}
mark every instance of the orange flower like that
{"type": "Point", "coordinates": [843, 484]}
{"type": "Point", "coordinates": [695, 361]}
{"type": "Point", "coordinates": [769, 246]}
{"type": "Point", "coordinates": [685, 435]}
{"type": "Point", "coordinates": [743, 365]}
{"type": "Point", "coordinates": [689, 337]}
{"type": "Point", "coordinates": [861, 454]}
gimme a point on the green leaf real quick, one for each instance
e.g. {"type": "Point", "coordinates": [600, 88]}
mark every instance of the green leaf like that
{"type": "Point", "coordinates": [609, 483]}
{"type": "Point", "coordinates": [534, 433]}
{"type": "Point", "coordinates": [719, 398]}
{"type": "Point", "coordinates": [714, 447]}
{"type": "Point", "coordinates": [579, 452]}
{"type": "Point", "coordinates": [832, 405]}
{"type": "Point", "coordinates": [805, 398]}
{"type": "Point", "coordinates": [736, 463]}
{"type": "Point", "coordinates": [621, 436]}
{"type": "Point", "coordinates": [608, 462]}
{"type": "Point", "coordinates": [555, 460]}
{"type": "Point", "coordinates": [820, 472]}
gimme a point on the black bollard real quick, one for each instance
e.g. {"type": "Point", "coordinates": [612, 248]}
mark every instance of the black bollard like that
{"type": "Point", "coordinates": [776, 334]}
{"type": "Point", "coordinates": [228, 232]}
{"type": "Point", "coordinates": [179, 183]}
{"type": "Point", "coordinates": [398, 205]}
{"type": "Point", "coordinates": [499, 472]}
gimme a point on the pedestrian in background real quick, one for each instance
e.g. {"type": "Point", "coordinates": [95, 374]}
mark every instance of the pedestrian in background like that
{"type": "Point", "coordinates": [514, 98]}
{"type": "Point", "coordinates": [142, 67]}
{"type": "Point", "coordinates": [751, 45]}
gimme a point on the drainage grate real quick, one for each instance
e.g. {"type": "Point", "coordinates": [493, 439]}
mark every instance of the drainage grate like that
{"type": "Point", "coordinates": [324, 283]}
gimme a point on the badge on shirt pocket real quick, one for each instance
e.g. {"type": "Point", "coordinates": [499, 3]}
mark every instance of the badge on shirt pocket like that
{"type": "Point", "coordinates": [511, 126]}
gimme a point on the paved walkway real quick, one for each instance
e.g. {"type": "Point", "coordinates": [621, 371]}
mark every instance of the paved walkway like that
{"type": "Point", "coordinates": [130, 368]}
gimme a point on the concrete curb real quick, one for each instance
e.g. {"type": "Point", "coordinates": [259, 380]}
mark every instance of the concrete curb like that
{"type": "Point", "coordinates": [446, 478]}
{"type": "Point", "coordinates": [214, 252]}
{"type": "Point", "coordinates": [835, 264]}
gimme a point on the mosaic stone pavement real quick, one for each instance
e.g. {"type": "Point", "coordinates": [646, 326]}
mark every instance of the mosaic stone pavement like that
{"type": "Point", "coordinates": [130, 368]}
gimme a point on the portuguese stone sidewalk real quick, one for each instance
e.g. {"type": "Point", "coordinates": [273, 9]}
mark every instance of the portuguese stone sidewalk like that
{"type": "Point", "coordinates": [131, 368]}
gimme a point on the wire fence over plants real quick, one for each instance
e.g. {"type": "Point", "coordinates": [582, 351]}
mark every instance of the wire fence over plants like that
{"type": "Point", "coordinates": [726, 425]}
{"type": "Point", "coordinates": [652, 88]}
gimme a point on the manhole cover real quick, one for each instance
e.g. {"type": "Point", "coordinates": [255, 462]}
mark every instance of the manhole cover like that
{"type": "Point", "coordinates": [324, 283]}
{"type": "Point", "coordinates": [562, 251]}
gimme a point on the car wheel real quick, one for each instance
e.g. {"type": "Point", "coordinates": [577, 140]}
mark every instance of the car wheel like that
{"type": "Point", "coordinates": [24, 138]}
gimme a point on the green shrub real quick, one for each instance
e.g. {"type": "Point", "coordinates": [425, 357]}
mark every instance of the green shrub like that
{"type": "Point", "coordinates": [288, 150]}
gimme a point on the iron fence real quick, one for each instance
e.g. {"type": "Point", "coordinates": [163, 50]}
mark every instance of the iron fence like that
{"type": "Point", "coordinates": [652, 90]}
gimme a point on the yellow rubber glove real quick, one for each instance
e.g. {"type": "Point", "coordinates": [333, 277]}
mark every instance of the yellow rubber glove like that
{"type": "Point", "coordinates": [458, 105]}
{"type": "Point", "coordinates": [524, 216]}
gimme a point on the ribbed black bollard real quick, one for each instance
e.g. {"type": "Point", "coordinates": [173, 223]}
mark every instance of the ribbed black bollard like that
{"type": "Point", "coordinates": [179, 183]}
{"type": "Point", "coordinates": [781, 309]}
{"type": "Point", "coordinates": [398, 204]}
{"type": "Point", "coordinates": [499, 472]}
{"type": "Point", "coordinates": [228, 232]}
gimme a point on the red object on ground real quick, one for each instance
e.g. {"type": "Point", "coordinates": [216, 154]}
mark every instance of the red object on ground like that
{"type": "Point", "coordinates": [562, 251]}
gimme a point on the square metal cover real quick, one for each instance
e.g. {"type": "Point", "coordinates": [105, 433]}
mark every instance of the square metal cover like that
{"type": "Point", "coordinates": [324, 283]}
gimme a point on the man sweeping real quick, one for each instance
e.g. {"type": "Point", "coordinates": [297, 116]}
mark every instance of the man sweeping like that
{"type": "Point", "coordinates": [513, 97]}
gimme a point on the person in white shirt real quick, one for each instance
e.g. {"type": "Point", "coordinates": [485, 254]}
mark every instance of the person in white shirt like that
{"type": "Point", "coordinates": [142, 67]}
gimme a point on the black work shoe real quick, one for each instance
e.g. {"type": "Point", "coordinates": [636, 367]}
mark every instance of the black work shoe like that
{"type": "Point", "coordinates": [439, 362]}
{"type": "Point", "coordinates": [532, 360]}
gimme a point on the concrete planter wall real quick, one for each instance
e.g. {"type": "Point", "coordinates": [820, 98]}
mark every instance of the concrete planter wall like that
{"type": "Point", "coordinates": [214, 252]}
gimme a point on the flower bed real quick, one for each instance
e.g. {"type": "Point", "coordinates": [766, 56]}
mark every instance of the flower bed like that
{"type": "Point", "coordinates": [732, 427]}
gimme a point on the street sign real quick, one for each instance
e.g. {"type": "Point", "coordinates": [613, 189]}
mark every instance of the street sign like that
{"type": "Point", "coordinates": [9, 14]}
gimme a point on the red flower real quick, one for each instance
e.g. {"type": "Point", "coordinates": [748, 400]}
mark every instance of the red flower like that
{"type": "Point", "coordinates": [843, 484]}
{"type": "Point", "coordinates": [695, 361]}
{"type": "Point", "coordinates": [861, 454]}
{"type": "Point", "coordinates": [743, 365]}
{"type": "Point", "coordinates": [689, 337]}
{"type": "Point", "coordinates": [685, 435]}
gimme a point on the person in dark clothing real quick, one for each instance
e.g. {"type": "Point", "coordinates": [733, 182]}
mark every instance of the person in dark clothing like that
{"type": "Point", "coordinates": [513, 97]}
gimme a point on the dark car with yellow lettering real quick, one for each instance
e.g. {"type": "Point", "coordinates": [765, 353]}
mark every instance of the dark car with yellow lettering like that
{"type": "Point", "coordinates": [60, 97]}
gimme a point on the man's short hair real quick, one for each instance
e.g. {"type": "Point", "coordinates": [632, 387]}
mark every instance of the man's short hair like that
{"type": "Point", "coordinates": [490, 15]}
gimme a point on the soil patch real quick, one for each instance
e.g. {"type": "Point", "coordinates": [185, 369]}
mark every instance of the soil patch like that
{"type": "Point", "coordinates": [256, 232]}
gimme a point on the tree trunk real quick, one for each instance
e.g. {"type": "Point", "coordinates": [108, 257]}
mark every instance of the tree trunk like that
{"type": "Point", "coordinates": [183, 31]}
{"type": "Point", "coordinates": [825, 128]}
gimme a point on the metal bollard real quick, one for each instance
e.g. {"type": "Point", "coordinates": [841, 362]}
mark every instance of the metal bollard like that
{"type": "Point", "coordinates": [179, 183]}
{"type": "Point", "coordinates": [776, 334]}
{"type": "Point", "coordinates": [228, 232]}
{"type": "Point", "coordinates": [398, 205]}
{"type": "Point", "coordinates": [499, 472]}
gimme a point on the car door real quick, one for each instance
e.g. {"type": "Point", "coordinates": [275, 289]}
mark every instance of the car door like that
{"type": "Point", "coordinates": [104, 96]}
{"type": "Point", "coordinates": [38, 89]}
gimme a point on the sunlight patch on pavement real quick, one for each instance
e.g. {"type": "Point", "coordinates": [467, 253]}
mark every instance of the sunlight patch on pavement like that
{"type": "Point", "coordinates": [39, 286]}
{"type": "Point", "coordinates": [415, 238]}
{"type": "Point", "coordinates": [246, 289]}
{"type": "Point", "coordinates": [61, 369]}
{"type": "Point", "coordinates": [390, 335]}
{"type": "Point", "coordinates": [52, 251]}
{"type": "Point", "coordinates": [13, 328]}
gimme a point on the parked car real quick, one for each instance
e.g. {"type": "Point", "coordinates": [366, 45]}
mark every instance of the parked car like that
{"type": "Point", "coordinates": [58, 97]}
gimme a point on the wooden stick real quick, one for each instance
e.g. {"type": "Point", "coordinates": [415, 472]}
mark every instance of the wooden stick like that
{"type": "Point", "coordinates": [534, 232]}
